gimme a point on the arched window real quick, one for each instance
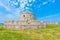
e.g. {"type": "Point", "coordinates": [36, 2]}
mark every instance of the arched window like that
{"type": "Point", "coordinates": [23, 15]}
{"type": "Point", "coordinates": [28, 23]}
{"type": "Point", "coordinates": [30, 15]}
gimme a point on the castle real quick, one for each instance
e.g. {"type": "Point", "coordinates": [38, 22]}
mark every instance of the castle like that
{"type": "Point", "coordinates": [27, 21]}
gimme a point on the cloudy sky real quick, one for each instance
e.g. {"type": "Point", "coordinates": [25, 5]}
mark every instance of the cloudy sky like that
{"type": "Point", "coordinates": [47, 10]}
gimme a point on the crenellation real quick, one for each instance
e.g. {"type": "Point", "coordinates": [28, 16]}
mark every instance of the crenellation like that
{"type": "Point", "coordinates": [26, 22]}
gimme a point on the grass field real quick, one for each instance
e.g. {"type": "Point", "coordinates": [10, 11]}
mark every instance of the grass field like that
{"type": "Point", "coordinates": [52, 32]}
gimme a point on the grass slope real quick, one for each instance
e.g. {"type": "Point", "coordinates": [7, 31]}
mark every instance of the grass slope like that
{"type": "Point", "coordinates": [52, 32]}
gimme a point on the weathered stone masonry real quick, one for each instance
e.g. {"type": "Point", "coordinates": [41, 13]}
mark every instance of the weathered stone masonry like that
{"type": "Point", "coordinates": [27, 21]}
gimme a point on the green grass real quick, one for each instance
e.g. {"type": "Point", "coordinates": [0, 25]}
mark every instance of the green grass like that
{"type": "Point", "coordinates": [52, 32]}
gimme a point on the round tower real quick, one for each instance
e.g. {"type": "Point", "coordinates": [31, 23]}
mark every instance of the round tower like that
{"type": "Point", "coordinates": [27, 16]}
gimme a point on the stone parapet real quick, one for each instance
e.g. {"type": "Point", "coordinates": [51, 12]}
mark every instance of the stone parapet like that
{"type": "Point", "coordinates": [27, 22]}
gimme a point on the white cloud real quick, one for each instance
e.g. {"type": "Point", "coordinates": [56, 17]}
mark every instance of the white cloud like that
{"type": "Point", "coordinates": [22, 5]}
{"type": "Point", "coordinates": [30, 4]}
{"type": "Point", "coordinates": [24, 1]}
{"type": "Point", "coordinates": [27, 8]}
{"type": "Point", "coordinates": [44, 3]}
{"type": "Point", "coordinates": [6, 7]}
{"type": "Point", "coordinates": [53, 1]}
{"type": "Point", "coordinates": [15, 3]}
{"type": "Point", "coordinates": [33, 0]}
{"type": "Point", "coordinates": [18, 0]}
{"type": "Point", "coordinates": [9, 16]}
{"type": "Point", "coordinates": [14, 11]}
{"type": "Point", "coordinates": [0, 18]}
{"type": "Point", "coordinates": [30, 0]}
{"type": "Point", "coordinates": [50, 16]}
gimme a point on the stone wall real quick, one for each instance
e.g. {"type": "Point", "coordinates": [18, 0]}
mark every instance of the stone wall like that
{"type": "Point", "coordinates": [24, 27]}
{"type": "Point", "coordinates": [27, 22]}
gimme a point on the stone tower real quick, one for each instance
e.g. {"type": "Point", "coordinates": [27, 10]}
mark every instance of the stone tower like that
{"type": "Point", "coordinates": [27, 16]}
{"type": "Point", "coordinates": [27, 21]}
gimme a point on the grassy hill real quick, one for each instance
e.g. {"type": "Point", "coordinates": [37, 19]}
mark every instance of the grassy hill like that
{"type": "Point", "coordinates": [52, 32]}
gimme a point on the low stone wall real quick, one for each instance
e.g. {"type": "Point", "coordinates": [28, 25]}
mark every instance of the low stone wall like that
{"type": "Point", "coordinates": [24, 27]}
{"type": "Point", "coordinates": [27, 21]}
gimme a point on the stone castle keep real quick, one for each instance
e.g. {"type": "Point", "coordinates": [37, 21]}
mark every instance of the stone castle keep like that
{"type": "Point", "coordinates": [27, 21]}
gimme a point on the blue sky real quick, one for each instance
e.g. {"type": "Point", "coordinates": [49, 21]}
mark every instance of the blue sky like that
{"type": "Point", "coordinates": [47, 10]}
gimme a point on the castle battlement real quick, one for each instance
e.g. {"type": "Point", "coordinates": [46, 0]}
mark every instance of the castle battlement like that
{"type": "Point", "coordinates": [27, 21]}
